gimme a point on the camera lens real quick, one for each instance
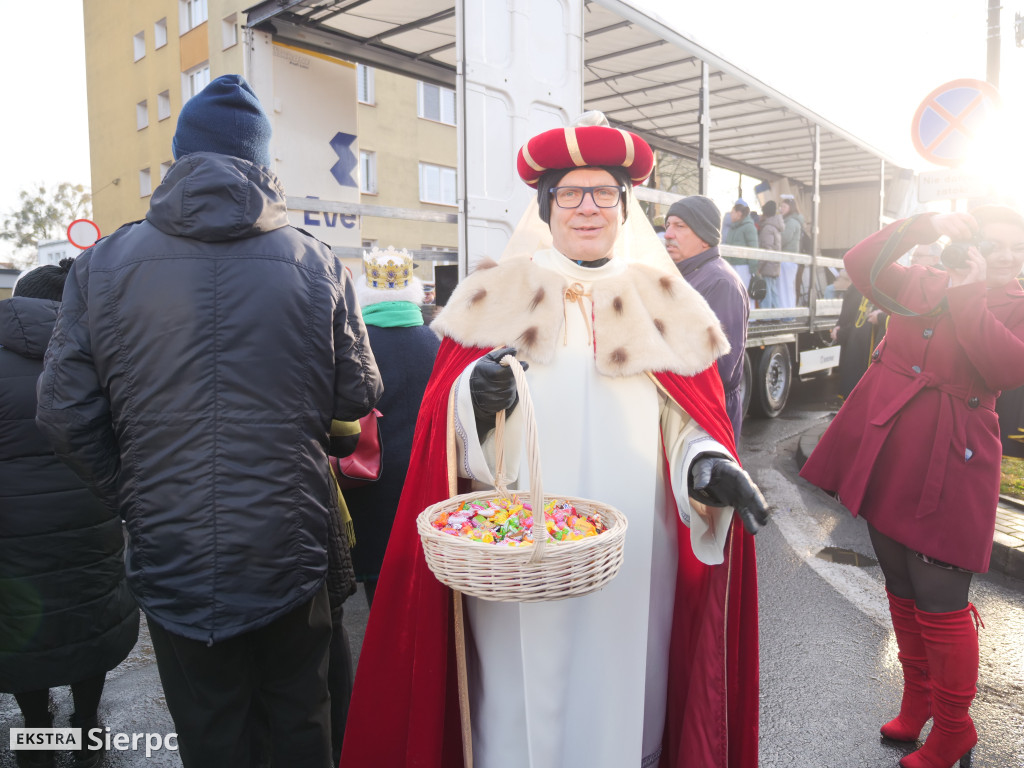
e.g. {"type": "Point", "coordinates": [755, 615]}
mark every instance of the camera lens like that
{"type": "Point", "coordinates": [954, 255]}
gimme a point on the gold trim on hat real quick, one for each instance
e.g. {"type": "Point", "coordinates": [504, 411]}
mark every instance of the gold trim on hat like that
{"type": "Point", "coordinates": [388, 270]}
{"type": "Point", "coordinates": [630, 148]}
{"type": "Point", "coordinates": [530, 161]}
{"type": "Point", "coordinates": [574, 147]}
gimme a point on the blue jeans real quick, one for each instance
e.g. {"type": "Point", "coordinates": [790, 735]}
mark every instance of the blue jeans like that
{"type": "Point", "coordinates": [772, 298]}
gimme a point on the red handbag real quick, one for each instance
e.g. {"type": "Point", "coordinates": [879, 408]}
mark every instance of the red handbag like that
{"type": "Point", "coordinates": [363, 465]}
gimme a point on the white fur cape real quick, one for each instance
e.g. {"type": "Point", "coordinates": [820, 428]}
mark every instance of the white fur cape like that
{"type": "Point", "coordinates": [645, 320]}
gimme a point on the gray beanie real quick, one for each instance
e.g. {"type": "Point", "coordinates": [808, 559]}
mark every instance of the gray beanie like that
{"type": "Point", "coordinates": [701, 215]}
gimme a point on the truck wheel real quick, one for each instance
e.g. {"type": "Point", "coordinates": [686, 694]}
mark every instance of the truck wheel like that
{"type": "Point", "coordinates": [771, 385]}
{"type": "Point", "coordinates": [746, 384]}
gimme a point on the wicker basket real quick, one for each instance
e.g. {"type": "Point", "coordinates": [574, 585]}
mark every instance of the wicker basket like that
{"type": "Point", "coordinates": [541, 571]}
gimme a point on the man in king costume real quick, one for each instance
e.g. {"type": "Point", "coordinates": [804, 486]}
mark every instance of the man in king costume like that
{"type": "Point", "coordinates": [660, 666]}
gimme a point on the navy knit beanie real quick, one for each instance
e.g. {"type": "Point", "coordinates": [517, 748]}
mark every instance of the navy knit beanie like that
{"type": "Point", "coordinates": [227, 118]}
{"type": "Point", "coordinates": [701, 215]}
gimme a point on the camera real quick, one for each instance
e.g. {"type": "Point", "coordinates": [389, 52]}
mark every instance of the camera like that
{"type": "Point", "coordinates": [954, 255]}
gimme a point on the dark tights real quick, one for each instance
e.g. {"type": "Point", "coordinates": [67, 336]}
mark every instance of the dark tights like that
{"type": "Point", "coordinates": [35, 705]}
{"type": "Point", "coordinates": [933, 588]}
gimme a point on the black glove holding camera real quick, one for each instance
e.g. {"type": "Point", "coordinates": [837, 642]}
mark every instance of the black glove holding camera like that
{"type": "Point", "coordinates": [492, 387]}
{"type": "Point", "coordinates": [718, 481]}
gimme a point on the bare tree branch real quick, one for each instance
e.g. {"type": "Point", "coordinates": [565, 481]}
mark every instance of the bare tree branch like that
{"type": "Point", "coordinates": [44, 215]}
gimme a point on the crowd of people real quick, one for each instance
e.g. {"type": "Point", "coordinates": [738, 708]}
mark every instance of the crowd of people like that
{"type": "Point", "coordinates": [181, 379]}
{"type": "Point", "coordinates": [780, 227]}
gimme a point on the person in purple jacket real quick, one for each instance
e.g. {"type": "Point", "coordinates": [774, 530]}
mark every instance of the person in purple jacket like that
{"type": "Point", "coordinates": [692, 235]}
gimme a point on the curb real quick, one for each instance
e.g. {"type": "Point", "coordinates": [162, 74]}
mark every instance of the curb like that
{"type": "Point", "coordinates": [808, 441]}
{"type": "Point", "coordinates": [1008, 542]}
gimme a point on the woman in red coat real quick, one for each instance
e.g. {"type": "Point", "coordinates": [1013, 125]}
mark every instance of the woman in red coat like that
{"type": "Point", "coordinates": [916, 451]}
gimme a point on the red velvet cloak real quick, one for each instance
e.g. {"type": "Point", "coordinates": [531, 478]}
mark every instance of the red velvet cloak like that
{"type": "Point", "coordinates": [405, 710]}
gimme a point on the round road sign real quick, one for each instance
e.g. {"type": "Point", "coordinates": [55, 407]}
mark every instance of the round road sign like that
{"type": "Point", "coordinates": [82, 233]}
{"type": "Point", "coordinates": [949, 118]}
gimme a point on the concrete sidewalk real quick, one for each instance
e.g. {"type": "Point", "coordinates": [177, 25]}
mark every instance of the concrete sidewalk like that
{"type": "Point", "coordinates": [1008, 543]}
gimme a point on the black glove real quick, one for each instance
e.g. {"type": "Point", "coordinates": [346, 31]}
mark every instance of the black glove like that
{"type": "Point", "coordinates": [492, 387]}
{"type": "Point", "coordinates": [720, 482]}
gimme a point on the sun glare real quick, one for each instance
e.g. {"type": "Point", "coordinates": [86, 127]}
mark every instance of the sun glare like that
{"type": "Point", "coordinates": [995, 156]}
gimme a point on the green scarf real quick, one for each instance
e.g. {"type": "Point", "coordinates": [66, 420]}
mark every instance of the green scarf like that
{"type": "Point", "coordinates": [393, 314]}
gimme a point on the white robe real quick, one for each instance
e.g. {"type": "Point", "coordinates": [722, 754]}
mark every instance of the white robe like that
{"type": "Point", "coordinates": [581, 683]}
{"type": "Point", "coordinates": [787, 284]}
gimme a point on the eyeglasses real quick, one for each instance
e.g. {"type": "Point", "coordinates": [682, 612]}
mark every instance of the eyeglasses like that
{"type": "Point", "coordinates": [987, 247]}
{"type": "Point", "coordinates": [572, 197]}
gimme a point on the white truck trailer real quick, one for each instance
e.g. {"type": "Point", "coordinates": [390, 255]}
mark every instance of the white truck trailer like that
{"type": "Point", "coordinates": [522, 66]}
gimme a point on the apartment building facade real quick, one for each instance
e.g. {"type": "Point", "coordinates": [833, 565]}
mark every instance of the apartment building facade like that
{"type": "Point", "coordinates": [145, 60]}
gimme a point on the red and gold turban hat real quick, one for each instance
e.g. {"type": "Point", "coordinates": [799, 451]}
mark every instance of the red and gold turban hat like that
{"type": "Point", "coordinates": [585, 146]}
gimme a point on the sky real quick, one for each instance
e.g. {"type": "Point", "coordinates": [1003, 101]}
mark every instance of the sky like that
{"type": "Point", "coordinates": [864, 66]}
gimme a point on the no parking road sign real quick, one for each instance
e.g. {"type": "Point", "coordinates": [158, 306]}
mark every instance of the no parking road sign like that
{"type": "Point", "coordinates": [949, 118]}
{"type": "Point", "coordinates": [82, 233]}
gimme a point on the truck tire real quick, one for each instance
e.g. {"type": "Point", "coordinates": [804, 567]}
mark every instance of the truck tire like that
{"type": "Point", "coordinates": [746, 383]}
{"type": "Point", "coordinates": [772, 382]}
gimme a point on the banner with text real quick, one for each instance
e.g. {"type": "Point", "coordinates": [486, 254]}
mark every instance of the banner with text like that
{"type": "Point", "coordinates": [316, 149]}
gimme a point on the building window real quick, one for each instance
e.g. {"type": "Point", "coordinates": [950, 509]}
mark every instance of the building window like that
{"type": "Point", "coordinates": [368, 173]}
{"type": "Point", "coordinates": [145, 183]}
{"type": "Point", "coordinates": [364, 76]}
{"type": "Point", "coordinates": [368, 244]}
{"type": "Point", "coordinates": [437, 184]}
{"type": "Point", "coordinates": [436, 103]}
{"type": "Point", "coordinates": [164, 168]}
{"type": "Point", "coordinates": [191, 14]}
{"type": "Point", "coordinates": [141, 115]}
{"type": "Point", "coordinates": [139, 45]}
{"type": "Point", "coordinates": [229, 31]}
{"type": "Point", "coordinates": [160, 34]}
{"type": "Point", "coordinates": [163, 105]}
{"type": "Point", "coordinates": [193, 81]}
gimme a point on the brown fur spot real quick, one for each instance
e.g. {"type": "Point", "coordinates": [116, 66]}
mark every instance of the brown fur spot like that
{"type": "Point", "coordinates": [485, 264]}
{"type": "Point", "coordinates": [617, 305]}
{"type": "Point", "coordinates": [478, 295]}
{"type": "Point", "coordinates": [660, 326]}
{"type": "Point", "coordinates": [529, 337]}
{"type": "Point", "coordinates": [713, 337]}
{"type": "Point", "coordinates": [538, 297]}
{"type": "Point", "coordinates": [618, 357]}
{"type": "Point", "coordinates": [667, 285]}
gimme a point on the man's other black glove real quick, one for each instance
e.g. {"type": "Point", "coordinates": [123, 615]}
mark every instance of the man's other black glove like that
{"type": "Point", "coordinates": [492, 387]}
{"type": "Point", "coordinates": [720, 482]}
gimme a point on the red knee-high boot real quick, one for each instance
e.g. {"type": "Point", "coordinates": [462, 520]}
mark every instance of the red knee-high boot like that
{"type": "Point", "coordinates": [951, 642]}
{"type": "Point", "coordinates": [916, 708]}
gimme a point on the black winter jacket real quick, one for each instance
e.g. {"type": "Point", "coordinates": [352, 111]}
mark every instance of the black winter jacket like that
{"type": "Point", "coordinates": [198, 360]}
{"type": "Point", "coordinates": [65, 610]}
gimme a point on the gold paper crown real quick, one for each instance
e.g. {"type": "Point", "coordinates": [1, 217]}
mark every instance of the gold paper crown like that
{"type": "Point", "coordinates": [388, 270]}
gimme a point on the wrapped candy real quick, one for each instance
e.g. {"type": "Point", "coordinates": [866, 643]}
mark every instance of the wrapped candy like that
{"type": "Point", "coordinates": [509, 522]}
